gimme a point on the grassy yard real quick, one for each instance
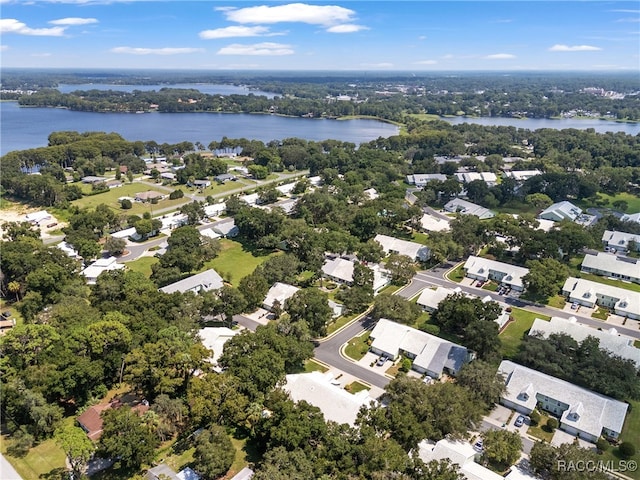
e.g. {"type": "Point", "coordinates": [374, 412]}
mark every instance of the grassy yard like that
{"type": "Point", "coordinates": [541, 431]}
{"type": "Point", "coordinates": [143, 265]}
{"type": "Point", "coordinates": [491, 286]}
{"type": "Point", "coordinates": [357, 346]}
{"type": "Point", "coordinates": [556, 301]}
{"type": "Point", "coordinates": [634, 287]}
{"type": "Point", "coordinates": [42, 460]}
{"type": "Point", "coordinates": [355, 387]}
{"type": "Point", "coordinates": [512, 335]}
{"type": "Point", "coordinates": [340, 322]}
{"type": "Point", "coordinates": [457, 274]}
{"type": "Point", "coordinates": [630, 433]}
{"type": "Point", "coordinates": [217, 189]}
{"type": "Point", "coordinates": [420, 237]}
{"type": "Point", "coordinates": [632, 200]}
{"type": "Point", "coordinates": [601, 314]}
{"type": "Point", "coordinates": [313, 366]}
{"type": "Point", "coordinates": [235, 261]}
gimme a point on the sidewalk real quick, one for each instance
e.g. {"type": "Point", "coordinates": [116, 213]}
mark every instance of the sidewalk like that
{"type": "Point", "coordinates": [7, 472]}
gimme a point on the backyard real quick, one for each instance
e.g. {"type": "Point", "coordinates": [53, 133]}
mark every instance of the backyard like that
{"type": "Point", "coordinates": [357, 346]}
{"type": "Point", "coordinates": [512, 335]}
{"type": "Point", "coordinates": [234, 262]}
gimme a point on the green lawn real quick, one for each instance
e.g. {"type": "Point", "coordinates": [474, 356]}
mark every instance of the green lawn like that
{"type": "Point", "coordinates": [355, 387]}
{"type": "Point", "coordinates": [457, 274]}
{"type": "Point", "coordinates": [557, 301]}
{"type": "Point", "coordinates": [390, 289]}
{"type": "Point", "coordinates": [313, 366]}
{"type": "Point", "coordinates": [512, 335]}
{"type": "Point", "coordinates": [216, 188]}
{"type": "Point", "coordinates": [235, 261]}
{"type": "Point", "coordinates": [143, 265]}
{"type": "Point", "coordinates": [601, 314]}
{"type": "Point", "coordinates": [420, 237]}
{"type": "Point", "coordinates": [357, 346]}
{"type": "Point", "coordinates": [541, 431]}
{"type": "Point", "coordinates": [491, 286]}
{"type": "Point", "coordinates": [632, 200]}
{"type": "Point", "coordinates": [630, 433]}
{"type": "Point", "coordinates": [340, 322]}
{"type": "Point", "coordinates": [634, 287]}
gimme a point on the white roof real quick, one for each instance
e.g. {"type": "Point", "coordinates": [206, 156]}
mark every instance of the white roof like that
{"type": "Point", "coordinates": [517, 473]}
{"type": "Point", "coordinates": [609, 339]}
{"type": "Point", "coordinates": [617, 266]}
{"type": "Point", "coordinates": [281, 292]}
{"type": "Point", "coordinates": [315, 180]}
{"type": "Point", "coordinates": [207, 280]}
{"type": "Point", "coordinates": [481, 267]}
{"type": "Point", "coordinates": [545, 225]}
{"type": "Point", "coordinates": [413, 250]}
{"type": "Point", "coordinates": [371, 193]}
{"type": "Point", "coordinates": [245, 474]}
{"type": "Point", "coordinates": [487, 177]}
{"type": "Point", "coordinates": [620, 240]}
{"type": "Point", "coordinates": [174, 221]}
{"type": "Point", "coordinates": [522, 174]}
{"type": "Point", "coordinates": [423, 178]}
{"type": "Point", "coordinates": [214, 339]}
{"type": "Point", "coordinates": [225, 227]}
{"type": "Point", "coordinates": [250, 199]}
{"type": "Point", "coordinates": [335, 403]}
{"type": "Point", "coordinates": [93, 271]}
{"type": "Point", "coordinates": [468, 208]}
{"type": "Point", "coordinates": [68, 249]}
{"type": "Point", "coordinates": [37, 217]}
{"type": "Point", "coordinates": [381, 276]}
{"type": "Point", "coordinates": [627, 301]}
{"type": "Point", "coordinates": [431, 353]}
{"type": "Point", "coordinates": [339, 268]}
{"type": "Point", "coordinates": [215, 209]}
{"type": "Point", "coordinates": [631, 217]}
{"type": "Point", "coordinates": [434, 224]}
{"type": "Point", "coordinates": [598, 411]}
{"type": "Point", "coordinates": [286, 189]}
{"type": "Point", "coordinates": [209, 233]}
{"type": "Point", "coordinates": [458, 452]}
{"type": "Point", "coordinates": [126, 233]}
{"type": "Point", "coordinates": [560, 211]}
{"type": "Point", "coordinates": [431, 298]}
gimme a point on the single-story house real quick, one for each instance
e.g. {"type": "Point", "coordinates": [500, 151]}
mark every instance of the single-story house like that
{"type": "Point", "coordinates": [280, 292]}
{"type": "Point", "coordinates": [93, 271]}
{"type": "Point", "coordinates": [288, 205]}
{"type": "Point", "coordinates": [126, 233]}
{"type": "Point", "coordinates": [204, 281]}
{"type": "Point", "coordinates": [608, 265]}
{"type": "Point", "coordinates": [631, 217]}
{"type": "Point", "coordinates": [91, 419]}
{"type": "Point", "coordinates": [214, 339]}
{"type": "Point", "coordinates": [430, 223]}
{"type": "Point", "coordinates": [251, 199]}
{"type": "Point", "coordinates": [226, 228]}
{"type": "Point", "coordinates": [421, 179]}
{"type": "Point", "coordinates": [460, 453]}
{"type": "Point", "coordinates": [610, 339]}
{"type": "Point", "coordinates": [201, 183]}
{"type": "Point", "coordinates": [561, 211]}
{"type": "Point", "coordinates": [322, 391]}
{"type": "Point", "coordinates": [148, 196]}
{"type": "Point", "coordinates": [623, 302]}
{"type": "Point", "coordinates": [370, 194]}
{"type": "Point", "coordinates": [68, 249]}
{"type": "Point", "coordinates": [315, 181]}
{"type": "Point", "coordinates": [522, 175]}
{"type": "Point", "coordinates": [415, 251]}
{"type": "Point", "coordinates": [93, 180]}
{"type": "Point", "coordinates": [114, 183]}
{"type": "Point", "coordinates": [336, 308]}
{"type": "Point", "coordinates": [37, 217]}
{"type": "Point", "coordinates": [430, 299]}
{"type": "Point", "coordinates": [225, 177]}
{"type": "Point", "coordinates": [489, 178]}
{"type": "Point", "coordinates": [174, 221]}
{"type": "Point", "coordinates": [209, 233]}
{"type": "Point", "coordinates": [215, 210]}
{"type": "Point", "coordinates": [484, 269]}
{"type": "Point", "coordinates": [583, 413]}
{"type": "Point", "coordinates": [286, 189]}
{"type": "Point", "coordinates": [168, 176]}
{"type": "Point", "coordinates": [339, 270]}
{"type": "Point", "coordinates": [464, 207]}
{"type": "Point", "coordinates": [431, 355]}
{"type": "Point", "coordinates": [164, 472]}
{"type": "Point", "coordinates": [619, 241]}
{"type": "Point", "coordinates": [245, 474]}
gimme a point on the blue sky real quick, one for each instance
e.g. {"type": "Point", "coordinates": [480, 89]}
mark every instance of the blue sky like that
{"type": "Point", "coordinates": [337, 35]}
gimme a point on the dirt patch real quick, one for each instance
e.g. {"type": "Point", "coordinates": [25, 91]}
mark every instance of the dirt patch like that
{"type": "Point", "coordinates": [17, 214]}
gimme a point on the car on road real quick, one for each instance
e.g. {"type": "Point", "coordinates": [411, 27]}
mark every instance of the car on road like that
{"type": "Point", "coordinates": [574, 306]}
{"type": "Point", "coordinates": [479, 284]}
{"type": "Point", "coordinates": [519, 421]}
{"type": "Point", "coordinates": [478, 446]}
{"type": "Point", "coordinates": [382, 360]}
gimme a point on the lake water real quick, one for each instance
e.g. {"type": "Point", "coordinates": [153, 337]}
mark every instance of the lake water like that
{"type": "Point", "coordinates": [208, 88]}
{"type": "Point", "coordinates": [23, 128]}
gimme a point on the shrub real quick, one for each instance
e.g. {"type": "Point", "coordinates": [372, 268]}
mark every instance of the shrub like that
{"type": "Point", "coordinates": [125, 204]}
{"type": "Point", "coordinates": [602, 445]}
{"type": "Point", "coordinates": [176, 194]}
{"type": "Point", "coordinates": [430, 328]}
{"type": "Point", "coordinates": [405, 366]}
{"type": "Point", "coordinates": [552, 423]}
{"type": "Point", "coordinates": [627, 449]}
{"type": "Point", "coordinates": [535, 417]}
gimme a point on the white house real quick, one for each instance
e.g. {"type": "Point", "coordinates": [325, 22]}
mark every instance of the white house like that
{"type": "Point", "coordinates": [201, 183]}
{"type": "Point", "coordinates": [413, 250]}
{"type": "Point", "coordinates": [286, 189]}
{"type": "Point", "coordinates": [631, 217]}
{"type": "Point", "coordinates": [174, 221]}
{"type": "Point", "coordinates": [340, 270]}
{"type": "Point", "coordinates": [250, 199]}
{"type": "Point", "coordinates": [36, 218]}
{"type": "Point", "coordinates": [322, 391]}
{"type": "Point", "coordinates": [204, 281]}
{"type": "Point", "coordinates": [93, 271]}
{"type": "Point", "coordinates": [582, 412]}
{"type": "Point", "coordinates": [430, 299]}
{"type": "Point", "coordinates": [458, 205]}
{"type": "Point", "coordinates": [489, 178]}
{"type": "Point", "coordinates": [370, 194]}
{"type": "Point", "coordinates": [458, 452]}
{"type": "Point", "coordinates": [484, 269]}
{"type": "Point", "coordinates": [430, 223]}
{"type": "Point", "coordinates": [608, 265]}
{"type": "Point", "coordinates": [610, 339]}
{"type": "Point", "coordinates": [280, 292]}
{"type": "Point", "coordinates": [619, 241]}
{"type": "Point", "coordinates": [431, 355]}
{"type": "Point", "coordinates": [623, 302]}
{"type": "Point", "coordinates": [69, 250]}
{"type": "Point", "coordinates": [561, 211]}
{"type": "Point", "coordinates": [421, 179]}
{"type": "Point", "coordinates": [226, 228]}
{"type": "Point", "coordinates": [215, 210]}
{"type": "Point", "coordinates": [209, 233]}
{"type": "Point", "coordinates": [214, 339]}
{"type": "Point", "coordinates": [522, 175]}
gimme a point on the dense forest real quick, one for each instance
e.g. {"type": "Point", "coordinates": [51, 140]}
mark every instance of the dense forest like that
{"type": "Point", "coordinates": [387, 97]}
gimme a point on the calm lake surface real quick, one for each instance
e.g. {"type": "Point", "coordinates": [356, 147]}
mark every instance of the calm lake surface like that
{"type": "Point", "coordinates": [23, 128]}
{"type": "Point", "coordinates": [208, 88]}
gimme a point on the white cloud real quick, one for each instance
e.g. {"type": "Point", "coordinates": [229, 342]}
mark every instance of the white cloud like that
{"type": "Point", "coordinates": [41, 55]}
{"type": "Point", "coordinates": [500, 56]}
{"type": "Point", "coordinates": [425, 62]}
{"type": "Point", "coordinates": [155, 51]}
{"type": "Point", "coordinates": [74, 21]}
{"type": "Point", "coordinates": [234, 31]}
{"type": "Point", "coordinates": [326, 15]}
{"type": "Point", "coordinates": [573, 48]}
{"type": "Point", "coordinates": [377, 65]}
{"type": "Point", "coordinates": [4, 48]}
{"type": "Point", "coordinates": [628, 20]}
{"type": "Point", "coordinates": [11, 25]}
{"type": "Point", "coordinates": [422, 37]}
{"type": "Point", "coordinates": [346, 28]}
{"type": "Point", "coordinates": [261, 49]}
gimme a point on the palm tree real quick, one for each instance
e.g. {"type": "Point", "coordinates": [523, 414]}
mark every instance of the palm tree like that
{"type": "Point", "coordinates": [15, 287]}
